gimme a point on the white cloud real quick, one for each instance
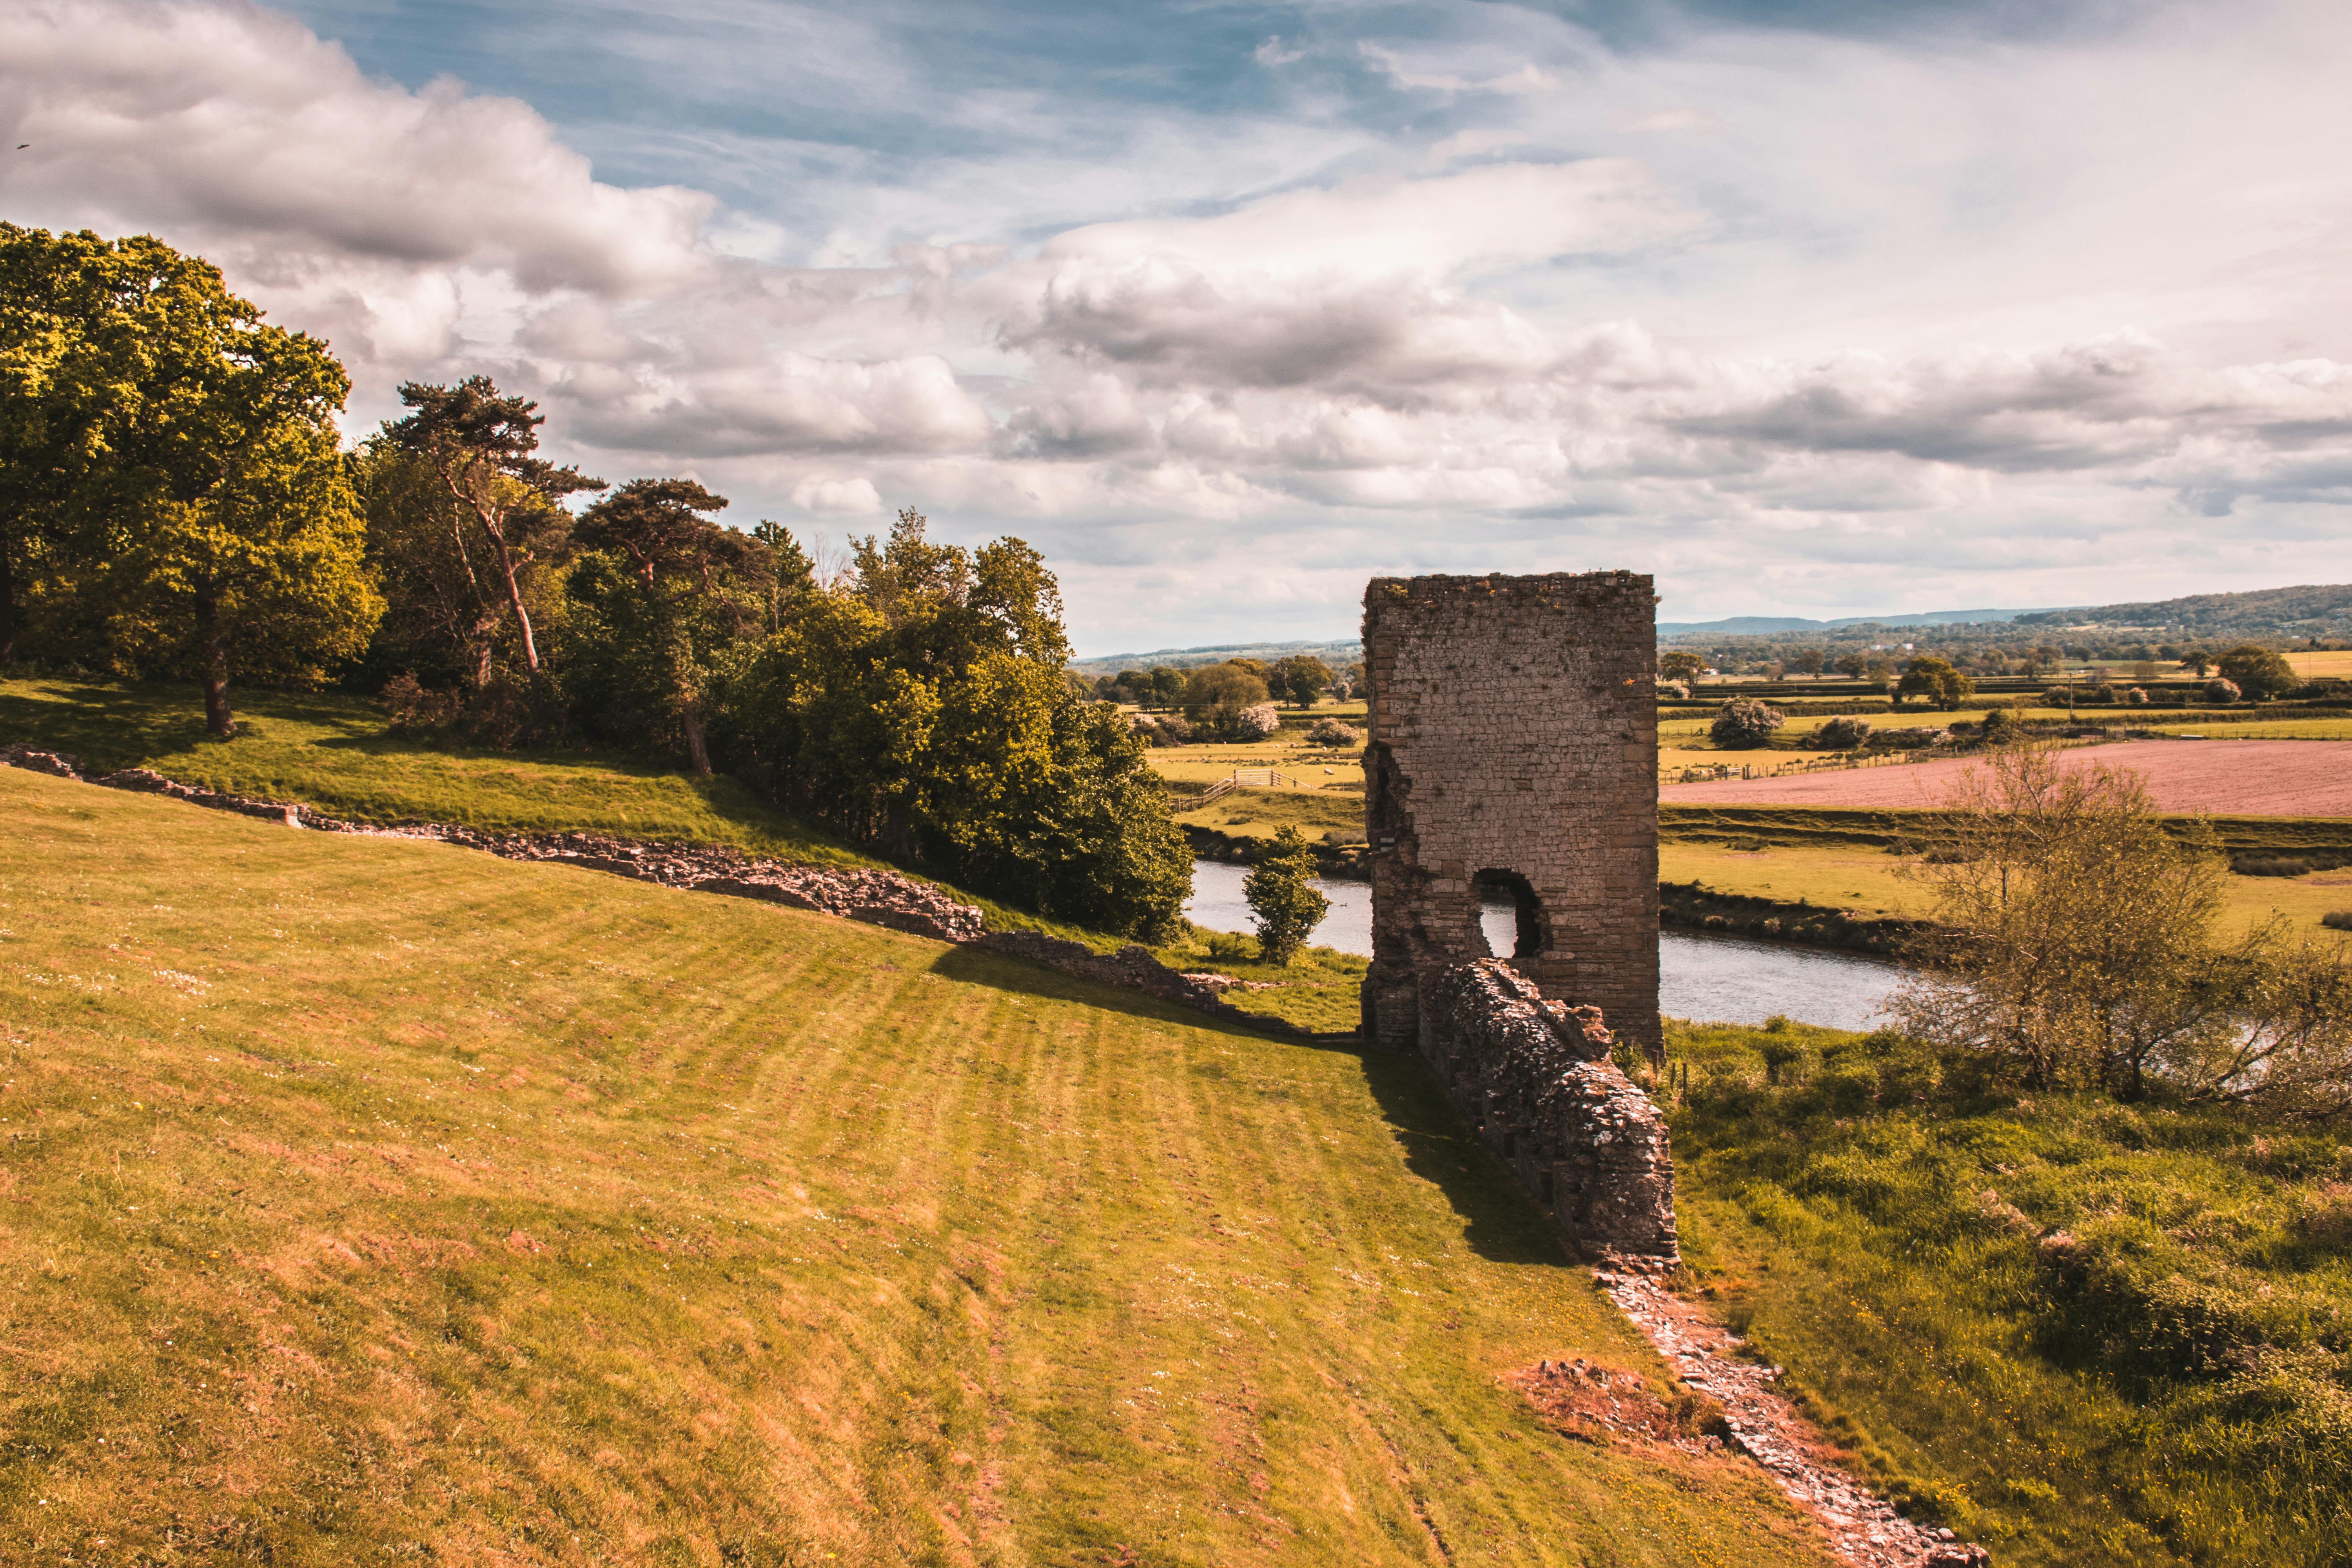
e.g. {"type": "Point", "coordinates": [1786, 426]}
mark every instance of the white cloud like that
{"type": "Point", "coordinates": [1898, 324]}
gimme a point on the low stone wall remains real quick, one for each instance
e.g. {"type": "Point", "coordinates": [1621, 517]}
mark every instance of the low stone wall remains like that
{"type": "Point", "coordinates": [866, 893]}
{"type": "Point", "coordinates": [1534, 1078]}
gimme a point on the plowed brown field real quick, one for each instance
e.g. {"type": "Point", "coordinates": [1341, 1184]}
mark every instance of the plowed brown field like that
{"type": "Point", "coordinates": [2226, 778]}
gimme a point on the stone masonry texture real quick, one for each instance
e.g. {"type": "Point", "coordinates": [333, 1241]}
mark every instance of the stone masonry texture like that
{"type": "Point", "coordinates": [1534, 1077]}
{"type": "Point", "coordinates": [1513, 748]}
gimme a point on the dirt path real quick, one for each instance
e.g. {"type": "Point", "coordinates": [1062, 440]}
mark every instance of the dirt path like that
{"type": "Point", "coordinates": [1864, 1531]}
{"type": "Point", "coordinates": [2228, 778]}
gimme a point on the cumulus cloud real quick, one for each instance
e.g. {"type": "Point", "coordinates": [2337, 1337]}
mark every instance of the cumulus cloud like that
{"type": "Point", "coordinates": [241, 124]}
{"type": "Point", "coordinates": [1583, 354]}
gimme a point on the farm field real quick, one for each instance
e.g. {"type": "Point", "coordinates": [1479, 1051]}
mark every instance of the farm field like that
{"type": "Point", "coordinates": [373, 1193]}
{"type": "Point", "coordinates": [1869, 881]}
{"type": "Point", "coordinates": [1263, 813]}
{"type": "Point", "coordinates": [2238, 778]}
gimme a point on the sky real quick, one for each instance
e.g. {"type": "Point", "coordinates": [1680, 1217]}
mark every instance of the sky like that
{"type": "Point", "coordinates": [1816, 307]}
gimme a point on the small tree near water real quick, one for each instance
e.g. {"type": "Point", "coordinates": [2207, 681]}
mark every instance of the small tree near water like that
{"type": "Point", "coordinates": [2075, 949]}
{"type": "Point", "coordinates": [1282, 895]}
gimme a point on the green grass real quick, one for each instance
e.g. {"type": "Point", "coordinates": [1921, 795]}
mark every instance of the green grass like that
{"type": "Point", "coordinates": [1859, 877]}
{"type": "Point", "coordinates": [1263, 813]}
{"type": "Point", "coordinates": [335, 754]}
{"type": "Point", "coordinates": [2165, 1387]}
{"type": "Point", "coordinates": [376, 1200]}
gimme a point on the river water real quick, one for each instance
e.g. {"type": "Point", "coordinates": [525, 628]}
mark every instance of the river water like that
{"type": "Point", "coordinates": [1720, 979]}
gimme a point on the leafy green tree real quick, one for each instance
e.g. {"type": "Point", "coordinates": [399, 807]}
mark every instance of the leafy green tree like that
{"type": "Point", "coordinates": [685, 593]}
{"type": "Point", "coordinates": [1217, 695]}
{"type": "Point", "coordinates": [211, 523]}
{"type": "Point", "coordinates": [63, 298]}
{"type": "Point", "coordinates": [1852, 664]}
{"type": "Point", "coordinates": [1808, 661]}
{"type": "Point", "coordinates": [1844, 733]}
{"type": "Point", "coordinates": [1934, 680]}
{"type": "Point", "coordinates": [1167, 686]}
{"type": "Point", "coordinates": [1743, 724]}
{"type": "Point", "coordinates": [1283, 897]}
{"type": "Point", "coordinates": [921, 706]}
{"type": "Point", "coordinates": [2260, 672]}
{"type": "Point", "coordinates": [1302, 678]}
{"type": "Point", "coordinates": [1680, 665]}
{"type": "Point", "coordinates": [479, 445]}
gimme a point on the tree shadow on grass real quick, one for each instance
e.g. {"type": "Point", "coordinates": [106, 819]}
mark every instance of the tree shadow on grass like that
{"type": "Point", "coordinates": [1501, 1222]}
{"type": "Point", "coordinates": [105, 727]}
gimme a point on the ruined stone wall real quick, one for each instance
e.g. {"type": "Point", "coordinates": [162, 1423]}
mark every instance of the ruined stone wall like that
{"type": "Point", "coordinates": [1534, 1077]}
{"type": "Point", "coordinates": [1514, 744]}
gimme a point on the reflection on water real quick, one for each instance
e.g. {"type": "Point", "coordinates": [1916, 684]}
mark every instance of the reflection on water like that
{"type": "Point", "coordinates": [1725, 979]}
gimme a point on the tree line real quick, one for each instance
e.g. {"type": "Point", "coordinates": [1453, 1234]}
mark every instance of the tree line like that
{"type": "Point", "coordinates": [175, 502]}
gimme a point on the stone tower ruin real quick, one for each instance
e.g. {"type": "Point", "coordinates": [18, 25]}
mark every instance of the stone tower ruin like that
{"type": "Point", "coordinates": [1513, 757]}
{"type": "Point", "coordinates": [1514, 752]}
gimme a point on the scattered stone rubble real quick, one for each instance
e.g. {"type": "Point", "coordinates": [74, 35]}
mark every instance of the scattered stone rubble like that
{"type": "Point", "coordinates": [870, 894]}
{"type": "Point", "coordinates": [1534, 1077]}
{"type": "Point", "coordinates": [1864, 1531]}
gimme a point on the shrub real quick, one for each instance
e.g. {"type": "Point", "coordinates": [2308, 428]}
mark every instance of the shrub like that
{"type": "Point", "coordinates": [1256, 721]}
{"type": "Point", "coordinates": [1282, 895]}
{"type": "Point", "coordinates": [1844, 734]}
{"type": "Point", "coordinates": [415, 707]}
{"type": "Point", "coordinates": [1331, 733]}
{"type": "Point", "coordinates": [2101, 692]}
{"type": "Point", "coordinates": [1744, 723]}
{"type": "Point", "coordinates": [2056, 696]}
{"type": "Point", "coordinates": [2000, 728]}
{"type": "Point", "coordinates": [2221, 689]}
{"type": "Point", "coordinates": [2337, 920]}
{"type": "Point", "coordinates": [1674, 689]}
{"type": "Point", "coordinates": [2135, 697]}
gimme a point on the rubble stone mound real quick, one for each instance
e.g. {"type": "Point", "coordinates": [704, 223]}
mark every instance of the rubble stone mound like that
{"type": "Point", "coordinates": [1534, 1077]}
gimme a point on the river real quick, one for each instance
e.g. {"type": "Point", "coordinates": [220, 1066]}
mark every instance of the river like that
{"type": "Point", "coordinates": [1721, 979]}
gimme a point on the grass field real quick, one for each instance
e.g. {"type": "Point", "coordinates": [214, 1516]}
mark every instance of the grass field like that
{"type": "Point", "coordinates": [2159, 1387]}
{"type": "Point", "coordinates": [374, 1200]}
{"type": "Point", "coordinates": [1263, 813]}
{"type": "Point", "coordinates": [333, 752]}
{"type": "Point", "coordinates": [1870, 880]}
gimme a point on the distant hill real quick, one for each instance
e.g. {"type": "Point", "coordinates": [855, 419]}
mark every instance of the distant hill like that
{"type": "Point", "coordinates": [1758, 626]}
{"type": "Point", "coordinates": [1334, 654]}
{"type": "Point", "coordinates": [2265, 612]}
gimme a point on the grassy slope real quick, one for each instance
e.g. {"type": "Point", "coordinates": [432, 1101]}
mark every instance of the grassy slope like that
{"type": "Point", "coordinates": [1263, 813]}
{"type": "Point", "coordinates": [333, 752]}
{"type": "Point", "coordinates": [372, 1194]}
{"type": "Point", "coordinates": [2042, 1406]}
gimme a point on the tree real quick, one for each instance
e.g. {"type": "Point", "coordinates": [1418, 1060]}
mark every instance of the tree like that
{"type": "Point", "coordinates": [1808, 660]}
{"type": "Point", "coordinates": [2260, 672]}
{"type": "Point", "coordinates": [688, 589]}
{"type": "Point", "coordinates": [1303, 677]}
{"type": "Point", "coordinates": [920, 705]}
{"type": "Point", "coordinates": [1852, 664]}
{"type": "Point", "coordinates": [1282, 894]}
{"type": "Point", "coordinates": [59, 294]}
{"type": "Point", "coordinates": [1934, 680]}
{"type": "Point", "coordinates": [1216, 695]}
{"type": "Point", "coordinates": [1167, 686]}
{"type": "Point", "coordinates": [2074, 949]}
{"type": "Point", "coordinates": [215, 525]}
{"type": "Point", "coordinates": [1680, 665]}
{"type": "Point", "coordinates": [2221, 690]}
{"type": "Point", "coordinates": [479, 445]}
{"type": "Point", "coordinates": [1743, 724]}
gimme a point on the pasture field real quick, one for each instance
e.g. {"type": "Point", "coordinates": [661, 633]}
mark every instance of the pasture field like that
{"type": "Point", "coordinates": [1263, 813]}
{"type": "Point", "coordinates": [376, 1200]}
{"type": "Point", "coordinates": [1871, 881]}
{"type": "Point", "coordinates": [2159, 1387]}
{"type": "Point", "coordinates": [2327, 661]}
